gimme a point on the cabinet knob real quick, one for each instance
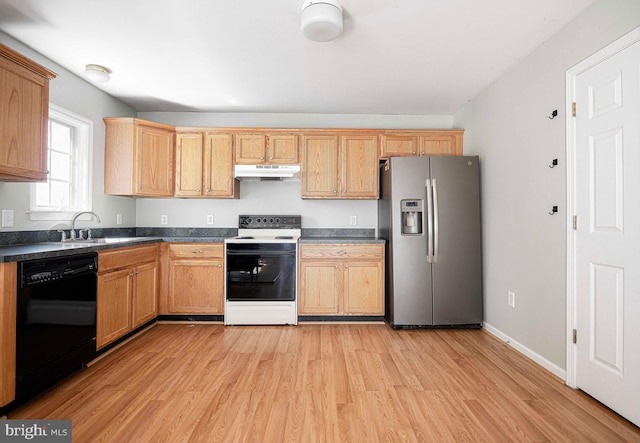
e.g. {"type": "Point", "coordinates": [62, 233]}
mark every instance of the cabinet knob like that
{"type": "Point", "coordinates": [335, 191]}
{"type": "Point", "coordinates": [198, 251]}
{"type": "Point", "coordinates": [219, 266]}
{"type": "Point", "coordinates": [197, 190]}
{"type": "Point", "coordinates": [346, 266]}
{"type": "Point", "coordinates": [46, 171]}
{"type": "Point", "coordinates": [207, 190]}
{"type": "Point", "coordinates": [341, 252]}
{"type": "Point", "coordinates": [336, 266]}
{"type": "Point", "coordinates": [132, 274]}
{"type": "Point", "coordinates": [414, 152]}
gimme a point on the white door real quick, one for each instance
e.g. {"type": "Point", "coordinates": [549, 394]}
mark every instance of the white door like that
{"type": "Point", "coordinates": [607, 239]}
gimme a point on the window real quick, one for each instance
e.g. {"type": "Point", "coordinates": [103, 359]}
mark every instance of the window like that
{"type": "Point", "coordinates": [68, 186]}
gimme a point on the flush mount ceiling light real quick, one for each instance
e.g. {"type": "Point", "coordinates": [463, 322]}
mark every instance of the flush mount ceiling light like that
{"type": "Point", "coordinates": [321, 20]}
{"type": "Point", "coordinates": [97, 73]}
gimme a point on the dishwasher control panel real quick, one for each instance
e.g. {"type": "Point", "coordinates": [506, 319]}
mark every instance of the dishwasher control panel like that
{"type": "Point", "coordinates": [35, 272]}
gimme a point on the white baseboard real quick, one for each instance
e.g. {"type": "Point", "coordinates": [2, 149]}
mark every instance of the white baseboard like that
{"type": "Point", "coordinates": [551, 367]}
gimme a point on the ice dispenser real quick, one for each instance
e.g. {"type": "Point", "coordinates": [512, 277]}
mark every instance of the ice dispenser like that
{"type": "Point", "coordinates": [411, 216]}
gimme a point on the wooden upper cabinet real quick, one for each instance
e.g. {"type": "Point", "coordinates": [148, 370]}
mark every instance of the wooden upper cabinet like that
{"type": "Point", "coordinates": [189, 166]}
{"type": "Point", "coordinates": [340, 166]}
{"type": "Point", "coordinates": [320, 166]}
{"type": "Point", "coordinates": [257, 148]}
{"type": "Point", "coordinates": [139, 158]}
{"type": "Point", "coordinates": [427, 142]}
{"type": "Point", "coordinates": [359, 159]}
{"type": "Point", "coordinates": [204, 165]}
{"type": "Point", "coordinates": [24, 117]}
{"type": "Point", "coordinates": [218, 166]}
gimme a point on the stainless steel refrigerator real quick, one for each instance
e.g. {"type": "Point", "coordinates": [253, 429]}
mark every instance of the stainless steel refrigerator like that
{"type": "Point", "coordinates": [429, 213]}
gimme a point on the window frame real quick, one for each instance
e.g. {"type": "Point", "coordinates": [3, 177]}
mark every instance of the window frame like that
{"type": "Point", "coordinates": [82, 167]}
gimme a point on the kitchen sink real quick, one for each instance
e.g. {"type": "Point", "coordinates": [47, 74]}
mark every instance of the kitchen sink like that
{"type": "Point", "coordinates": [97, 241]}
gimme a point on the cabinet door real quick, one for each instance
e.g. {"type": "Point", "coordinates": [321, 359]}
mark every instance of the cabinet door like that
{"type": "Point", "coordinates": [24, 109]}
{"type": "Point", "coordinates": [8, 300]}
{"type": "Point", "coordinates": [196, 286]}
{"type": "Point", "coordinates": [320, 166]}
{"type": "Point", "coordinates": [320, 284]}
{"type": "Point", "coordinates": [397, 145]}
{"type": "Point", "coordinates": [113, 306]}
{"type": "Point", "coordinates": [218, 167]}
{"type": "Point", "coordinates": [154, 162]}
{"type": "Point", "coordinates": [283, 149]}
{"type": "Point", "coordinates": [189, 165]}
{"type": "Point", "coordinates": [363, 288]}
{"type": "Point", "coordinates": [359, 159]}
{"type": "Point", "coordinates": [145, 294]}
{"type": "Point", "coordinates": [251, 148]}
{"type": "Point", "coordinates": [442, 144]}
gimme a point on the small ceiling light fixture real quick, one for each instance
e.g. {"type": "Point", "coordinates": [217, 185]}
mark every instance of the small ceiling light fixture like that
{"type": "Point", "coordinates": [321, 20]}
{"type": "Point", "coordinates": [97, 73]}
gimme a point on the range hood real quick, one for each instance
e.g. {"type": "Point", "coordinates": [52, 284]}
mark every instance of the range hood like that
{"type": "Point", "coordinates": [267, 172]}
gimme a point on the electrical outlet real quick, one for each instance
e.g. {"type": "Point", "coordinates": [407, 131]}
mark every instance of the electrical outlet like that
{"type": "Point", "coordinates": [7, 218]}
{"type": "Point", "coordinates": [164, 219]}
{"type": "Point", "coordinates": [353, 220]}
{"type": "Point", "coordinates": [210, 219]}
{"type": "Point", "coordinates": [118, 219]}
{"type": "Point", "coordinates": [511, 299]}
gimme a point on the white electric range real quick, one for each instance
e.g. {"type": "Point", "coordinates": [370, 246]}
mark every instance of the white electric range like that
{"type": "Point", "coordinates": [261, 271]}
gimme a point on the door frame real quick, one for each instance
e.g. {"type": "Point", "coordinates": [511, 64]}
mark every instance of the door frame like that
{"type": "Point", "coordinates": [571, 78]}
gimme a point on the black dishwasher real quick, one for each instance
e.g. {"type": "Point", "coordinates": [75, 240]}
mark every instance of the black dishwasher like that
{"type": "Point", "coordinates": [56, 323]}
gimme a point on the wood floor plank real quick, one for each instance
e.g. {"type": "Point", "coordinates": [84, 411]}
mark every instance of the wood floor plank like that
{"type": "Point", "coordinates": [322, 383]}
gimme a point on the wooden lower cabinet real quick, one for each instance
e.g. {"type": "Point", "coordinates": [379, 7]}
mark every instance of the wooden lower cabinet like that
{"type": "Point", "coordinates": [127, 291]}
{"type": "Point", "coordinates": [341, 279]}
{"type": "Point", "coordinates": [195, 279]}
{"type": "Point", "coordinates": [8, 300]}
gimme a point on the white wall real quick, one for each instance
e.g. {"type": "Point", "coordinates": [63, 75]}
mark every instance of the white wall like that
{"type": "Point", "coordinates": [274, 197]}
{"type": "Point", "coordinates": [507, 125]}
{"type": "Point", "coordinates": [80, 97]}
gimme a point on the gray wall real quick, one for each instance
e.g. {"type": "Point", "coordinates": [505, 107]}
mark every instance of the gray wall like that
{"type": "Point", "coordinates": [76, 95]}
{"type": "Point", "coordinates": [507, 125]}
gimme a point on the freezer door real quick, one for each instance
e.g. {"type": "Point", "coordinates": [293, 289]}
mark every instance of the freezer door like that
{"type": "Point", "coordinates": [410, 286]}
{"type": "Point", "coordinates": [457, 267]}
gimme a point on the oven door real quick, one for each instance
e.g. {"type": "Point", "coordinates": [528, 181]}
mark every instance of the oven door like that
{"type": "Point", "coordinates": [261, 271]}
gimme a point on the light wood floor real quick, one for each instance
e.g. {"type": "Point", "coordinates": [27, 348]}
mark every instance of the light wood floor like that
{"type": "Point", "coordinates": [322, 383]}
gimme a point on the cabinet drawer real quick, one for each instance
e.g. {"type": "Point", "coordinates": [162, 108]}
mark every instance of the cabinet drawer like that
{"type": "Point", "coordinates": [196, 250]}
{"type": "Point", "coordinates": [342, 251]}
{"type": "Point", "coordinates": [126, 257]}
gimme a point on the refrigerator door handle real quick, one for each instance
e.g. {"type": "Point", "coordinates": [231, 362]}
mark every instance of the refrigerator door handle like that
{"type": "Point", "coordinates": [429, 236]}
{"type": "Point", "coordinates": [436, 249]}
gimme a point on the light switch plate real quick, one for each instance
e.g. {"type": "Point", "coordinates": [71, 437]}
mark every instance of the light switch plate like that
{"type": "Point", "coordinates": [7, 218]}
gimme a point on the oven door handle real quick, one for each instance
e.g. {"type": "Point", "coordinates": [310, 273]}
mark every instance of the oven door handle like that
{"type": "Point", "coordinates": [260, 253]}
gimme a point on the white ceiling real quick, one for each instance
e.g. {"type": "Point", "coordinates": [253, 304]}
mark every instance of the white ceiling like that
{"type": "Point", "coordinates": [410, 57]}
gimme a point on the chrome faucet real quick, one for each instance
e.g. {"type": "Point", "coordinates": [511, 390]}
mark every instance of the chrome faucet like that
{"type": "Point", "coordinates": [72, 235]}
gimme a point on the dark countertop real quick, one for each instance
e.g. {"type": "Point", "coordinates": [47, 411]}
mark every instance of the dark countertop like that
{"type": "Point", "coordinates": [34, 251]}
